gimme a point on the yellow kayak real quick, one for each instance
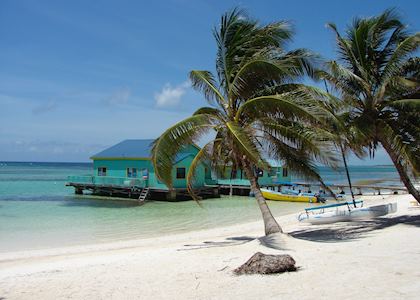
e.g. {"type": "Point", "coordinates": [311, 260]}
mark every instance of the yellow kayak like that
{"type": "Point", "coordinates": [276, 196]}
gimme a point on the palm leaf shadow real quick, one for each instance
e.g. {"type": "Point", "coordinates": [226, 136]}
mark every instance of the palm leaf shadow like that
{"type": "Point", "coordinates": [347, 231]}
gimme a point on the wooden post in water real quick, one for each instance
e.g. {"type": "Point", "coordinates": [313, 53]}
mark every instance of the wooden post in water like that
{"type": "Point", "coordinates": [216, 193]}
{"type": "Point", "coordinates": [171, 195]}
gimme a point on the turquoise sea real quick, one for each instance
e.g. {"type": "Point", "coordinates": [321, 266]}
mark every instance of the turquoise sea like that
{"type": "Point", "coordinates": [38, 211]}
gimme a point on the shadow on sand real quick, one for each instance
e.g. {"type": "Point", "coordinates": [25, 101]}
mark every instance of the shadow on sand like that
{"type": "Point", "coordinates": [274, 241]}
{"type": "Point", "coordinates": [231, 241]}
{"type": "Point", "coordinates": [330, 233]}
{"type": "Point", "coordinates": [348, 231]}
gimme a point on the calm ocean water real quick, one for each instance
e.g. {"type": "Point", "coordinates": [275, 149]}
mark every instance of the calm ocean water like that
{"type": "Point", "coordinates": [363, 175]}
{"type": "Point", "coordinates": [38, 211]}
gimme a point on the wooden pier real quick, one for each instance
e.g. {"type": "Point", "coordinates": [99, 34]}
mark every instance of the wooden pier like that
{"type": "Point", "coordinates": [377, 189]}
{"type": "Point", "coordinates": [214, 191]}
{"type": "Point", "coordinates": [242, 190]}
{"type": "Point", "coordinates": [134, 192]}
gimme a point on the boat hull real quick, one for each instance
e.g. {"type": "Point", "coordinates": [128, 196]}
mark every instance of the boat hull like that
{"type": "Point", "coordinates": [276, 196]}
{"type": "Point", "coordinates": [355, 214]}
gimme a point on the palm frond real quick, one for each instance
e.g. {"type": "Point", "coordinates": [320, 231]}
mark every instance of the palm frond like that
{"type": "Point", "coordinates": [203, 81]}
{"type": "Point", "coordinates": [315, 141]}
{"type": "Point", "coordinates": [270, 68]}
{"type": "Point", "coordinates": [297, 160]}
{"type": "Point", "coordinates": [211, 111]}
{"type": "Point", "coordinates": [405, 103]}
{"type": "Point", "coordinates": [399, 56]}
{"type": "Point", "coordinates": [290, 105]}
{"type": "Point", "coordinates": [346, 53]}
{"type": "Point", "coordinates": [401, 148]}
{"type": "Point", "coordinates": [244, 142]}
{"type": "Point", "coordinates": [239, 39]}
{"type": "Point", "coordinates": [202, 156]}
{"type": "Point", "coordinates": [169, 144]}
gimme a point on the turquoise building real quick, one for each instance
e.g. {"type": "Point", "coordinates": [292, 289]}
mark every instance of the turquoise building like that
{"type": "Point", "coordinates": [277, 175]}
{"type": "Point", "coordinates": [131, 160]}
{"type": "Point", "coordinates": [126, 169]}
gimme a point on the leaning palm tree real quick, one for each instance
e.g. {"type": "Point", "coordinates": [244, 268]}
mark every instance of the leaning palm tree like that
{"type": "Point", "coordinates": [377, 75]}
{"type": "Point", "coordinates": [256, 110]}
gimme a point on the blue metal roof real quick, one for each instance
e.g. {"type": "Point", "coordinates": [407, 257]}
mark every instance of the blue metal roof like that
{"type": "Point", "coordinates": [127, 149]}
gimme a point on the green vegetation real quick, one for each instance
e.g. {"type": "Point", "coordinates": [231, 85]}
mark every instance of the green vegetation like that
{"type": "Point", "coordinates": [377, 77]}
{"type": "Point", "coordinates": [259, 110]}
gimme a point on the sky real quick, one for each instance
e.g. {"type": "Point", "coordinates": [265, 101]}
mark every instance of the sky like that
{"type": "Point", "coordinates": [79, 76]}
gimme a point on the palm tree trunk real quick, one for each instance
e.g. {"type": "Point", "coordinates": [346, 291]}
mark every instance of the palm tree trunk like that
{"type": "Point", "coordinates": [401, 170]}
{"type": "Point", "coordinates": [347, 173]}
{"type": "Point", "coordinates": [270, 224]}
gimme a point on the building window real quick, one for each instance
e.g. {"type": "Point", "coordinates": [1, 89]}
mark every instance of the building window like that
{"type": "Point", "coordinates": [233, 174]}
{"type": "Point", "coordinates": [285, 172]}
{"type": "Point", "coordinates": [101, 171]}
{"type": "Point", "coordinates": [180, 173]}
{"type": "Point", "coordinates": [131, 172]}
{"type": "Point", "coordinates": [272, 172]}
{"type": "Point", "coordinates": [145, 173]}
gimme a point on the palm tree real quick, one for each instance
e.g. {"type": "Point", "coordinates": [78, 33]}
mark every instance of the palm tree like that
{"type": "Point", "coordinates": [345, 138]}
{"type": "Point", "coordinates": [256, 111]}
{"type": "Point", "coordinates": [377, 76]}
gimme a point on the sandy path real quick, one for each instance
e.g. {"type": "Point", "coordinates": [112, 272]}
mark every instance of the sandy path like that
{"type": "Point", "coordinates": [373, 260]}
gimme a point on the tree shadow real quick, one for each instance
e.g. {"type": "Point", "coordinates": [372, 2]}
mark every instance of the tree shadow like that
{"type": "Point", "coordinates": [347, 231]}
{"type": "Point", "coordinates": [329, 233]}
{"type": "Point", "coordinates": [230, 241]}
{"type": "Point", "coordinates": [274, 241]}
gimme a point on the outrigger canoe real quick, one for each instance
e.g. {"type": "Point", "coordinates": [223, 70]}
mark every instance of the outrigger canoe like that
{"type": "Point", "coordinates": [318, 215]}
{"type": "Point", "coordinates": [277, 196]}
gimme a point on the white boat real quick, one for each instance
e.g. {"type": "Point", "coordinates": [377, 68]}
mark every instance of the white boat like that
{"type": "Point", "coordinates": [345, 214]}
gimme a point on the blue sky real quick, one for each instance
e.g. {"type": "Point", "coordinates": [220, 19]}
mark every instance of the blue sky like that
{"type": "Point", "coordinates": [78, 76]}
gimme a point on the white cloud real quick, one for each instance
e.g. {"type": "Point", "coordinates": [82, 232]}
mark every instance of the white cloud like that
{"type": "Point", "coordinates": [170, 96]}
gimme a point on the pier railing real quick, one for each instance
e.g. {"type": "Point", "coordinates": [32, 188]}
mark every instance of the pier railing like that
{"type": "Point", "coordinates": [108, 180]}
{"type": "Point", "coordinates": [235, 182]}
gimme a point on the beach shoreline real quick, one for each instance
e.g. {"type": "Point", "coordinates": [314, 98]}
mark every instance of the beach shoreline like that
{"type": "Point", "coordinates": [87, 247]}
{"type": "Point", "coordinates": [372, 259]}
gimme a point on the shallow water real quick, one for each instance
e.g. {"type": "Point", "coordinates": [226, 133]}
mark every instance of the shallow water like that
{"type": "Point", "coordinates": [37, 211]}
{"type": "Point", "coordinates": [62, 221]}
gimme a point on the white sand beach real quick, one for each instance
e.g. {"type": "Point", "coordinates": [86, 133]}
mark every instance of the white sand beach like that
{"type": "Point", "coordinates": [377, 259]}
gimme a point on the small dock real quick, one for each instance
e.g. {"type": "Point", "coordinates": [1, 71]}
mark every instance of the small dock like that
{"type": "Point", "coordinates": [138, 192]}
{"type": "Point", "coordinates": [376, 189]}
{"type": "Point", "coordinates": [243, 190]}
{"type": "Point", "coordinates": [139, 189]}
